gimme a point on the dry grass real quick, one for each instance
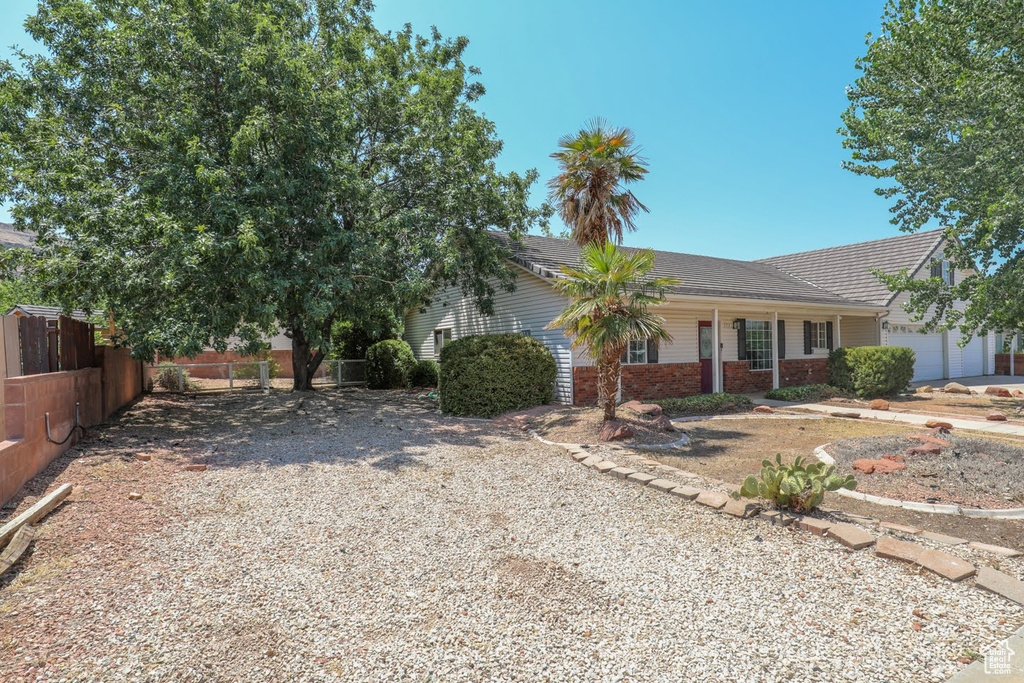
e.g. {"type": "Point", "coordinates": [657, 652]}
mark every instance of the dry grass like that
{"type": "Point", "coordinates": [582, 425]}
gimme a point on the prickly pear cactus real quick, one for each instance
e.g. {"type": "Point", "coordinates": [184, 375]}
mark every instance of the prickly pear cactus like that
{"type": "Point", "coordinates": [799, 487]}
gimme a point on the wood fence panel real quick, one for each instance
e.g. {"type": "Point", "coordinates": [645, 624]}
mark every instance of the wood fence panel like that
{"type": "Point", "coordinates": [52, 344]}
{"type": "Point", "coordinates": [67, 345]}
{"type": "Point", "coordinates": [32, 330]}
{"type": "Point", "coordinates": [12, 345]}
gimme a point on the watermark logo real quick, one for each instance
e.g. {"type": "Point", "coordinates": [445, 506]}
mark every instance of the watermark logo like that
{"type": "Point", "coordinates": [998, 658]}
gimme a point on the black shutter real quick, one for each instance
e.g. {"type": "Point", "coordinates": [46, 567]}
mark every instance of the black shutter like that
{"type": "Point", "coordinates": [652, 350]}
{"type": "Point", "coordinates": [808, 343]}
{"type": "Point", "coordinates": [782, 339]}
{"type": "Point", "coordinates": [828, 334]}
{"type": "Point", "coordinates": [741, 339]}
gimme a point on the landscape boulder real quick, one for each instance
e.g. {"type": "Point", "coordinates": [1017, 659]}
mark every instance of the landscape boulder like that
{"type": "Point", "coordinates": [879, 404]}
{"type": "Point", "coordinates": [927, 438]}
{"type": "Point", "coordinates": [994, 416]}
{"type": "Point", "coordinates": [926, 389]}
{"type": "Point", "coordinates": [998, 391]}
{"type": "Point", "coordinates": [1017, 393]}
{"type": "Point", "coordinates": [938, 425]}
{"type": "Point", "coordinates": [868, 466]}
{"type": "Point", "coordinates": [925, 449]}
{"type": "Point", "coordinates": [894, 458]}
{"type": "Point", "coordinates": [613, 429]}
{"type": "Point", "coordinates": [649, 409]}
{"type": "Point", "coordinates": [956, 388]}
{"type": "Point", "coordinates": [763, 409]}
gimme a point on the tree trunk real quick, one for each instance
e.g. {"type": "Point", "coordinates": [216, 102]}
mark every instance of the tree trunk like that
{"type": "Point", "coordinates": [305, 362]}
{"type": "Point", "coordinates": [609, 370]}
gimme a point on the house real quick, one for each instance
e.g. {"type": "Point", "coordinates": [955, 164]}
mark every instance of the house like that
{"type": "Point", "coordinates": [736, 326]}
{"type": "Point", "coordinates": [54, 312]}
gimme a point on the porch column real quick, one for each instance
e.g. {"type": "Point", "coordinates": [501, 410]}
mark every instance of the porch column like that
{"type": "Point", "coordinates": [775, 350]}
{"type": "Point", "coordinates": [716, 355]}
{"type": "Point", "coordinates": [838, 341]}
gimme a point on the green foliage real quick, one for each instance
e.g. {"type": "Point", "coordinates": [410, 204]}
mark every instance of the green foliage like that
{"type": "Point", "coordinates": [350, 340]}
{"type": "Point", "coordinates": [799, 487]}
{"type": "Point", "coordinates": [871, 371]}
{"type": "Point", "coordinates": [170, 378]}
{"type": "Point", "coordinates": [253, 371]}
{"type": "Point", "coordinates": [491, 374]}
{"type": "Point", "coordinates": [936, 118]}
{"type": "Point", "coordinates": [389, 364]}
{"type": "Point", "coordinates": [705, 404]}
{"type": "Point", "coordinates": [213, 170]}
{"type": "Point", "coordinates": [808, 392]}
{"type": "Point", "coordinates": [424, 374]}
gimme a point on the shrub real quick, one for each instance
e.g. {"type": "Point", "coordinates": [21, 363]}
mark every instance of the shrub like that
{"type": "Point", "coordinates": [253, 371]}
{"type": "Point", "coordinates": [705, 404]}
{"type": "Point", "coordinates": [491, 374]}
{"type": "Point", "coordinates": [389, 364]}
{"type": "Point", "coordinates": [871, 371]}
{"type": "Point", "coordinates": [424, 374]}
{"type": "Point", "coordinates": [809, 392]}
{"type": "Point", "coordinates": [797, 487]}
{"type": "Point", "coordinates": [169, 378]}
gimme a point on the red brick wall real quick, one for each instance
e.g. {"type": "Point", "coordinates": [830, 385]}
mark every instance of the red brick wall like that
{"type": "Point", "coordinates": [738, 378]}
{"type": "Point", "coordinates": [641, 382]}
{"type": "Point", "coordinates": [1003, 364]}
{"type": "Point", "coordinates": [796, 372]}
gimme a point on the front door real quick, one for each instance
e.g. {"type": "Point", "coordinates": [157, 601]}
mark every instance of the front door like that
{"type": "Point", "coordinates": [705, 343]}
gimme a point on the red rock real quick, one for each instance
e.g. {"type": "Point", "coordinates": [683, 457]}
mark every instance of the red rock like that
{"type": "Point", "coordinates": [924, 438]}
{"type": "Point", "coordinates": [664, 424]}
{"type": "Point", "coordinates": [929, 449]}
{"type": "Point", "coordinates": [938, 424]}
{"type": "Point", "coordinates": [916, 625]}
{"type": "Point", "coordinates": [877, 466]}
{"type": "Point", "coordinates": [144, 457]}
{"type": "Point", "coordinates": [879, 404]}
{"type": "Point", "coordinates": [994, 416]}
{"type": "Point", "coordinates": [998, 391]}
{"type": "Point", "coordinates": [651, 409]}
{"type": "Point", "coordinates": [612, 430]}
{"type": "Point", "coordinates": [894, 458]}
{"type": "Point", "coordinates": [195, 468]}
{"type": "Point", "coordinates": [763, 409]}
{"type": "Point", "coordinates": [1017, 393]}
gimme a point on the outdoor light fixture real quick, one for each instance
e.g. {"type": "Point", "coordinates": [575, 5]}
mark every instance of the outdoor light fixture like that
{"type": "Point", "coordinates": [736, 324]}
{"type": "Point", "coordinates": [885, 324]}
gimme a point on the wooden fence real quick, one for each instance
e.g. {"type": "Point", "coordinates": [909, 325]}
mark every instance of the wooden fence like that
{"type": "Point", "coordinates": [40, 345]}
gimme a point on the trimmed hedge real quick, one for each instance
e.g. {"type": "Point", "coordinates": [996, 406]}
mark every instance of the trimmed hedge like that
{"type": "Point", "coordinates": [871, 371]}
{"type": "Point", "coordinates": [490, 374]}
{"type": "Point", "coordinates": [424, 374]}
{"type": "Point", "coordinates": [705, 404]}
{"type": "Point", "coordinates": [389, 364]}
{"type": "Point", "coordinates": [808, 392]}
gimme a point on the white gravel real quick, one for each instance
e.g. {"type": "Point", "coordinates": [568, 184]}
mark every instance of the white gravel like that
{"type": "Point", "coordinates": [365, 538]}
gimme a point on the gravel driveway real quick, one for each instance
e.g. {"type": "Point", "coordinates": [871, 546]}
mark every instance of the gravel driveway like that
{"type": "Point", "coordinates": [362, 537]}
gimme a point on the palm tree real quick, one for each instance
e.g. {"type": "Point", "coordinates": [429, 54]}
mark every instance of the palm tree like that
{"type": "Point", "coordinates": [589, 192]}
{"type": "Point", "coordinates": [609, 297]}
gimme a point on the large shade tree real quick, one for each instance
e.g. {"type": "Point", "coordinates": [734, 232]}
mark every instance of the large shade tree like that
{"type": "Point", "coordinates": [595, 166]}
{"type": "Point", "coordinates": [938, 117]}
{"type": "Point", "coordinates": [210, 169]}
{"type": "Point", "coordinates": [610, 298]}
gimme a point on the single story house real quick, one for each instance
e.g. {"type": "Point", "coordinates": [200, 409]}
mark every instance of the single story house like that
{"type": "Point", "coordinates": [736, 326]}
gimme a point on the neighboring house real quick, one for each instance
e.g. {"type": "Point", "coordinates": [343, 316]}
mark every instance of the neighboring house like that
{"type": "Point", "coordinates": [737, 326]}
{"type": "Point", "coordinates": [54, 312]}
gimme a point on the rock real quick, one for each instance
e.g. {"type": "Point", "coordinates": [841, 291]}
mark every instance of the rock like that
{"type": "Point", "coordinates": [741, 508]}
{"type": "Point", "coordinates": [894, 549]}
{"type": "Point", "coordinates": [913, 530]}
{"type": "Point", "coordinates": [924, 438]}
{"type": "Point", "coordinates": [956, 388]}
{"type": "Point", "coordinates": [713, 499]}
{"type": "Point", "coordinates": [998, 391]}
{"type": "Point", "coordinates": [942, 538]}
{"type": "Point", "coordinates": [845, 413]}
{"type": "Point", "coordinates": [814, 525]}
{"type": "Point", "coordinates": [994, 549]}
{"type": "Point", "coordinates": [879, 404]}
{"type": "Point", "coordinates": [926, 389]}
{"type": "Point", "coordinates": [945, 565]}
{"type": "Point", "coordinates": [894, 458]}
{"type": "Point", "coordinates": [995, 416]}
{"type": "Point", "coordinates": [850, 535]}
{"type": "Point", "coordinates": [144, 457]}
{"type": "Point", "coordinates": [195, 468]}
{"type": "Point", "coordinates": [1001, 584]}
{"type": "Point", "coordinates": [650, 409]}
{"type": "Point", "coordinates": [938, 424]}
{"type": "Point", "coordinates": [1017, 393]}
{"type": "Point", "coordinates": [134, 496]}
{"type": "Point", "coordinates": [763, 409]}
{"type": "Point", "coordinates": [926, 449]}
{"type": "Point", "coordinates": [612, 430]}
{"type": "Point", "coordinates": [664, 424]}
{"type": "Point", "coordinates": [877, 466]}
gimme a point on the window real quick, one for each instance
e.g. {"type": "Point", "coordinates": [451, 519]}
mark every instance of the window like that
{"type": "Point", "coordinates": [759, 344]}
{"type": "Point", "coordinates": [943, 270]}
{"type": "Point", "coordinates": [819, 335]}
{"type": "Point", "coordinates": [637, 351]}
{"type": "Point", "coordinates": [440, 337]}
{"type": "Point", "coordinates": [527, 333]}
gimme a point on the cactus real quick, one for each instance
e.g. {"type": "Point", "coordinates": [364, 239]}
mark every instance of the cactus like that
{"type": "Point", "coordinates": [799, 487]}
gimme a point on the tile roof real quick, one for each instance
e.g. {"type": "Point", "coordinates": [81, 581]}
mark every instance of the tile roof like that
{"type": "Point", "coordinates": [846, 270]}
{"type": "Point", "coordinates": [53, 312]}
{"type": "Point", "coordinates": [698, 275]}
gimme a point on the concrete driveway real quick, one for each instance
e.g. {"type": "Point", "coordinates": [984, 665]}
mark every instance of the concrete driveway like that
{"type": "Point", "coordinates": [980, 383]}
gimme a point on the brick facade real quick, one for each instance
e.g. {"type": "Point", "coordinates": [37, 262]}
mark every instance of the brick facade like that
{"type": "Point", "coordinates": [1003, 364]}
{"type": "Point", "coordinates": [738, 378]}
{"type": "Point", "coordinates": [641, 382]}
{"type": "Point", "coordinates": [796, 372]}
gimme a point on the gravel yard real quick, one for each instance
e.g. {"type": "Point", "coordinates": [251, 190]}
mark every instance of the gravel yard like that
{"type": "Point", "coordinates": [360, 536]}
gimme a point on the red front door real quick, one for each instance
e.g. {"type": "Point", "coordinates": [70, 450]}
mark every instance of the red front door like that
{"type": "Point", "coordinates": [705, 349]}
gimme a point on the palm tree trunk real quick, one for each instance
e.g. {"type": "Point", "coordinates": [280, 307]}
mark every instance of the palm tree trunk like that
{"type": "Point", "coordinates": [609, 369]}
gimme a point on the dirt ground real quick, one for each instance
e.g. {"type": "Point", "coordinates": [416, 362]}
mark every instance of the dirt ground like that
{"type": "Point", "coordinates": [582, 425]}
{"type": "Point", "coordinates": [951, 405]}
{"type": "Point", "coordinates": [732, 449]}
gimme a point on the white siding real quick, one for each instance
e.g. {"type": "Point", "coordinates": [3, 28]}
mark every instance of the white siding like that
{"type": "Point", "coordinates": [859, 331]}
{"type": "Point", "coordinates": [531, 307]}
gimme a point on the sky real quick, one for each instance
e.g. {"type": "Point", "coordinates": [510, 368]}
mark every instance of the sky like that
{"type": "Point", "coordinates": [735, 106]}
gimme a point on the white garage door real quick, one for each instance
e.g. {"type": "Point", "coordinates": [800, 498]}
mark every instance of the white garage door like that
{"type": "Point", "coordinates": [974, 357]}
{"type": "Point", "coordinates": [928, 351]}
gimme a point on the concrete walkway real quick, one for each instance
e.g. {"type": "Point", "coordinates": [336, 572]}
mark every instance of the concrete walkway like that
{"type": "Point", "coordinates": [908, 418]}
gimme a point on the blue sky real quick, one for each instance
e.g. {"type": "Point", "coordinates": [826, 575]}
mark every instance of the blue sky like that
{"type": "Point", "coordinates": [736, 106]}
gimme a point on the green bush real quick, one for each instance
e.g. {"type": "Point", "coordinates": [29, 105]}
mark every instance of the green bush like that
{"type": "Point", "coordinates": [808, 392]}
{"type": "Point", "coordinates": [797, 487]}
{"type": "Point", "coordinates": [424, 374]}
{"type": "Point", "coordinates": [169, 378]}
{"type": "Point", "coordinates": [491, 374]}
{"type": "Point", "coordinates": [871, 371]}
{"type": "Point", "coordinates": [389, 364]}
{"type": "Point", "coordinates": [253, 371]}
{"type": "Point", "coordinates": [705, 404]}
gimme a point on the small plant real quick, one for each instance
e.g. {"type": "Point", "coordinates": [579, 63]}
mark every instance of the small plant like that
{"type": "Point", "coordinates": [809, 392]}
{"type": "Point", "coordinates": [798, 487]}
{"type": "Point", "coordinates": [252, 371]}
{"type": "Point", "coordinates": [169, 378]}
{"type": "Point", "coordinates": [705, 404]}
{"type": "Point", "coordinates": [388, 365]}
{"type": "Point", "coordinates": [424, 374]}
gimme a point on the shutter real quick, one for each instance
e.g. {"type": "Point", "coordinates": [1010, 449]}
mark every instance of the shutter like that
{"type": "Point", "coordinates": [652, 350]}
{"type": "Point", "coordinates": [808, 342]}
{"type": "Point", "coordinates": [741, 340]}
{"type": "Point", "coordinates": [782, 339]}
{"type": "Point", "coordinates": [625, 355]}
{"type": "Point", "coordinates": [828, 334]}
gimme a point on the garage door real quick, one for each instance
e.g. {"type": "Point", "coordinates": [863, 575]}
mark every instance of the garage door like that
{"type": "Point", "coordinates": [928, 351]}
{"type": "Point", "coordinates": [974, 357]}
